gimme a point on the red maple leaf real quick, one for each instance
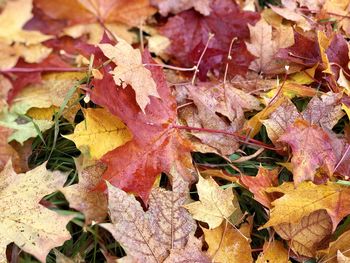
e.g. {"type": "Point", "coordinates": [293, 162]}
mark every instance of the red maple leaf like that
{"type": "Point", "coordinates": [156, 146]}
{"type": "Point", "coordinates": [189, 32]}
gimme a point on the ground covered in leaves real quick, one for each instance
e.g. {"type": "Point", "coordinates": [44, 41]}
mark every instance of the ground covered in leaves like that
{"type": "Point", "coordinates": [174, 131]}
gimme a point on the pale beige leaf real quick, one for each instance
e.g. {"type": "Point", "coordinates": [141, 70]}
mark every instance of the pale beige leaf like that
{"type": "Point", "coordinates": [175, 6]}
{"type": "Point", "coordinates": [191, 253]}
{"type": "Point", "coordinates": [341, 244]}
{"type": "Point", "coordinates": [149, 236]}
{"type": "Point", "coordinates": [82, 197]}
{"type": "Point", "coordinates": [34, 228]}
{"type": "Point", "coordinates": [131, 71]}
{"type": "Point", "coordinates": [325, 111]}
{"type": "Point", "coordinates": [341, 258]}
{"type": "Point", "coordinates": [215, 204]}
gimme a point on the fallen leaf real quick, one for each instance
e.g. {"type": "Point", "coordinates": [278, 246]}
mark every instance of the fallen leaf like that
{"type": "Point", "coordinates": [295, 204]}
{"type": "Point", "coordinates": [156, 145]}
{"type": "Point", "coordinates": [23, 220]}
{"type": "Point", "coordinates": [228, 244]}
{"type": "Point", "coordinates": [149, 236]}
{"type": "Point", "coordinates": [257, 184]}
{"type": "Point", "coordinates": [132, 13]}
{"type": "Point", "coordinates": [192, 252]}
{"type": "Point", "coordinates": [7, 152]}
{"type": "Point", "coordinates": [312, 149]}
{"type": "Point", "coordinates": [81, 196]}
{"type": "Point", "coordinates": [189, 32]}
{"type": "Point", "coordinates": [341, 244]}
{"type": "Point", "coordinates": [273, 251]}
{"type": "Point", "coordinates": [16, 42]}
{"type": "Point", "coordinates": [341, 258]}
{"type": "Point", "coordinates": [264, 45]}
{"type": "Point", "coordinates": [309, 234]}
{"type": "Point", "coordinates": [61, 258]}
{"type": "Point", "coordinates": [325, 111]}
{"type": "Point", "coordinates": [175, 6]}
{"type": "Point", "coordinates": [99, 126]}
{"type": "Point", "coordinates": [131, 71]}
{"type": "Point", "coordinates": [280, 119]}
{"type": "Point", "coordinates": [215, 204]}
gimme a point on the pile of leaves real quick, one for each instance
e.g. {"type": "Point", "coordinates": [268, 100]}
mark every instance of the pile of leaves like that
{"type": "Point", "coordinates": [174, 131]}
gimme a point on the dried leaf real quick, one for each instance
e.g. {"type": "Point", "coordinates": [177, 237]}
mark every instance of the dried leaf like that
{"type": "Point", "coordinates": [149, 236]}
{"type": "Point", "coordinates": [130, 71]}
{"type": "Point", "coordinates": [23, 220]}
{"type": "Point", "coordinates": [176, 6]}
{"type": "Point", "coordinates": [215, 205]}
{"type": "Point", "coordinates": [312, 149]}
{"type": "Point", "coordinates": [295, 204]}
{"type": "Point", "coordinates": [309, 234]}
{"type": "Point", "coordinates": [341, 244]}
{"type": "Point", "coordinates": [228, 244]}
{"type": "Point", "coordinates": [264, 46]}
{"type": "Point", "coordinates": [81, 196]}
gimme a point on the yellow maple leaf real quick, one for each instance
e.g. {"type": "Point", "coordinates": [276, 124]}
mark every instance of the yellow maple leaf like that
{"type": "Point", "coordinates": [273, 252]}
{"type": "Point", "coordinates": [16, 42]}
{"type": "Point", "coordinates": [228, 244]}
{"type": "Point", "coordinates": [215, 205]}
{"type": "Point", "coordinates": [100, 133]}
{"type": "Point", "coordinates": [130, 70]}
{"type": "Point", "coordinates": [23, 220]}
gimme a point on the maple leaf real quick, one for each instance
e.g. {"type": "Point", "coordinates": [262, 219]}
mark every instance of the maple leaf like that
{"type": "Point", "coordinates": [257, 185]}
{"type": "Point", "coordinates": [16, 42]}
{"type": "Point", "coordinates": [192, 252]}
{"type": "Point", "coordinates": [341, 244]}
{"type": "Point", "coordinates": [149, 236]}
{"type": "Point", "coordinates": [290, 12]}
{"type": "Point", "coordinates": [130, 71]}
{"type": "Point", "coordinates": [229, 244]}
{"type": "Point", "coordinates": [308, 235]}
{"type": "Point", "coordinates": [174, 6]}
{"type": "Point", "coordinates": [312, 149]}
{"type": "Point", "coordinates": [48, 96]}
{"type": "Point", "coordinates": [264, 45]}
{"type": "Point", "coordinates": [280, 119]}
{"type": "Point", "coordinates": [81, 196]}
{"type": "Point", "coordinates": [132, 12]}
{"type": "Point", "coordinates": [23, 220]}
{"type": "Point", "coordinates": [273, 251]}
{"type": "Point", "coordinates": [156, 145]}
{"type": "Point", "coordinates": [215, 204]}
{"type": "Point", "coordinates": [7, 152]}
{"type": "Point", "coordinates": [189, 31]}
{"type": "Point", "coordinates": [325, 111]}
{"type": "Point", "coordinates": [295, 204]}
{"type": "Point", "coordinates": [99, 126]}
{"type": "Point", "coordinates": [216, 106]}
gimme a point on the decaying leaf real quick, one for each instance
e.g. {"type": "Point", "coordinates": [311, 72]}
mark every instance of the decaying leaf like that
{"type": "Point", "coordinates": [82, 196]}
{"type": "Point", "coordinates": [308, 235]}
{"type": "Point", "coordinates": [295, 204]}
{"type": "Point", "coordinates": [215, 204]}
{"type": "Point", "coordinates": [176, 6]}
{"type": "Point", "coordinates": [102, 127]}
{"type": "Point", "coordinates": [264, 45]}
{"type": "Point", "coordinates": [312, 149]}
{"type": "Point", "coordinates": [131, 71]}
{"type": "Point", "coordinates": [228, 244]}
{"type": "Point", "coordinates": [341, 244]}
{"type": "Point", "coordinates": [149, 236]}
{"type": "Point", "coordinates": [33, 228]}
